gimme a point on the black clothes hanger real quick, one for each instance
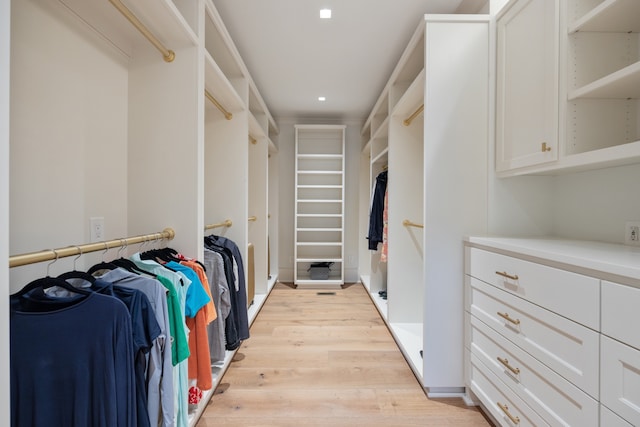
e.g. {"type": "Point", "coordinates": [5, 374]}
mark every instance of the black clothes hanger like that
{"type": "Point", "coordinates": [75, 274]}
{"type": "Point", "coordinates": [102, 266]}
{"type": "Point", "coordinates": [128, 265]}
{"type": "Point", "coordinates": [48, 282]}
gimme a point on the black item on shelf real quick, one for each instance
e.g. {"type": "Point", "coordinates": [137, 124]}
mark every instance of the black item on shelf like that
{"type": "Point", "coordinates": [320, 270]}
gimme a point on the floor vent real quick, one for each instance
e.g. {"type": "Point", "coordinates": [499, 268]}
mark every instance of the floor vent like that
{"type": "Point", "coordinates": [325, 293]}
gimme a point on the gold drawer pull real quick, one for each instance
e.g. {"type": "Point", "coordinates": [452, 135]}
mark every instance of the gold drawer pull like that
{"type": "Point", "coordinates": [507, 275]}
{"type": "Point", "coordinates": [544, 147]}
{"type": "Point", "coordinates": [506, 317]}
{"type": "Point", "coordinates": [505, 409]}
{"type": "Point", "coordinates": [505, 362]}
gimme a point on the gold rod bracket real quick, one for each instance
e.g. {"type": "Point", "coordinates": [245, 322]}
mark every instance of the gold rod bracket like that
{"type": "Point", "coordinates": [253, 140]}
{"type": "Point", "coordinates": [167, 54]}
{"type": "Point", "coordinates": [415, 114]}
{"type": "Point", "coordinates": [253, 218]}
{"type": "Point", "coordinates": [225, 223]}
{"type": "Point", "coordinates": [227, 114]}
{"type": "Point", "coordinates": [408, 223]}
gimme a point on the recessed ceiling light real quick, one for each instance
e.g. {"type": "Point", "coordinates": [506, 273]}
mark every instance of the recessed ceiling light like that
{"type": "Point", "coordinates": [325, 13]}
{"type": "Point", "coordinates": [322, 98]}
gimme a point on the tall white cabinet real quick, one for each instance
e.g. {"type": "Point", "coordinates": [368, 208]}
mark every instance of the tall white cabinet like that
{"type": "Point", "coordinates": [319, 204]}
{"type": "Point", "coordinates": [429, 128]}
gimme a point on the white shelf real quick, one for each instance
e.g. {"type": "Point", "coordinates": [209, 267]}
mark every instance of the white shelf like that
{"type": "Point", "coordinates": [219, 87]}
{"type": "Point", "coordinates": [318, 243]}
{"type": "Point", "coordinates": [318, 201]}
{"type": "Point", "coordinates": [319, 172]}
{"type": "Point", "coordinates": [320, 156]}
{"type": "Point", "coordinates": [409, 335]}
{"type": "Point", "coordinates": [624, 83]}
{"type": "Point", "coordinates": [328, 282]}
{"type": "Point", "coordinates": [319, 152]}
{"type": "Point", "coordinates": [384, 154]}
{"type": "Point", "coordinates": [162, 18]}
{"type": "Point", "coordinates": [319, 229]}
{"type": "Point", "coordinates": [619, 16]}
{"type": "Point", "coordinates": [381, 305]}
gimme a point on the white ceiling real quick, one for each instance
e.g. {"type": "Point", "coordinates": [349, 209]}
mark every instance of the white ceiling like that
{"type": "Point", "coordinates": [294, 56]}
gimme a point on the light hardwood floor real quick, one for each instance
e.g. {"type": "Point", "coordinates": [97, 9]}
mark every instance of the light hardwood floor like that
{"type": "Point", "coordinates": [325, 360]}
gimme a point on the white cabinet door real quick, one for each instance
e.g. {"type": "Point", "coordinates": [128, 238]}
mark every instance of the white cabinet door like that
{"type": "Point", "coordinates": [527, 84]}
{"type": "Point", "coordinates": [620, 379]}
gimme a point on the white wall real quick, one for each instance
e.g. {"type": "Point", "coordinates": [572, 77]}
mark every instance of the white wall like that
{"type": "Point", "coordinates": [64, 171]}
{"type": "Point", "coordinates": [591, 205]}
{"type": "Point", "coordinates": [5, 18]}
{"type": "Point", "coordinates": [595, 205]}
{"type": "Point", "coordinates": [286, 159]}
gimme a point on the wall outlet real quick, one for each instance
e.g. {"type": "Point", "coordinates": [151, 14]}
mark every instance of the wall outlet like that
{"type": "Point", "coordinates": [96, 227]}
{"type": "Point", "coordinates": [632, 233]}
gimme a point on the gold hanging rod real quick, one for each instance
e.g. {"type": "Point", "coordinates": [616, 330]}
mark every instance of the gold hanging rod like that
{"type": "Point", "coordinates": [52, 254]}
{"type": "Point", "coordinates": [227, 115]}
{"type": "Point", "coordinates": [167, 54]}
{"type": "Point", "coordinates": [225, 223]}
{"type": "Point", "coordinates": [253, 218]}
{"type": "Point", "coordinates": [408, 223]}
{"type": "Point", "coordinates": [409, 119]}
{"type": "Point", "coordinates": [253, 140]}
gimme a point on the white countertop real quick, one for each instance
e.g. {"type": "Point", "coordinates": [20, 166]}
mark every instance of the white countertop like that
{"type": "Point", "coordinates": [597, 258]}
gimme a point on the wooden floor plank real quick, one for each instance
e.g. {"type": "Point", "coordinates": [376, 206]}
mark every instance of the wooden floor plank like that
{"type": "Point", "coordinates": [325, 360]}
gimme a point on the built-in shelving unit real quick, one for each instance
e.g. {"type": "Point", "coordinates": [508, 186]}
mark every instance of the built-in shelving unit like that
{"type": "Point", "coordinates": [180, 125]}
{"type": "Point", "coordinates": [596, 118]}
{"type": "Point", "coordinates": [434, 178]}
{"type": "Point", "coordinates": [319, 203]}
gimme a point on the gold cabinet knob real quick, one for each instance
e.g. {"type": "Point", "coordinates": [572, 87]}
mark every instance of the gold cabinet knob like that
{"type": "Point", "coordinates": [545, 147]}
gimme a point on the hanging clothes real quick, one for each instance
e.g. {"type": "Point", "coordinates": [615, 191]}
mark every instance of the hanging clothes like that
{"type": "Point", "coordinates": [145, 329]}
{"type": "Point", "coordinates": [376, 221]}
{"type": "Point", "coordinates": [242, 316]}
{"type": "Point", "coordinates": [159, 379]}
{"type": "Point", "coordinates": [177, 285]}
{"type": "Point", "coordinates": [59, 346]}
{"type": "Point", "coordinates": [219, 287]}
{"type": "Point", "coordinates": [196, 320]}
{"type": "Point", "coordinates": [384, 253]}
{"type": "Point", "coordinates": [238, 295]}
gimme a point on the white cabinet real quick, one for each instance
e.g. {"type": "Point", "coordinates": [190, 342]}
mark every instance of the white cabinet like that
{"type": "Point", "coordinates": [527, 84]}
{"type": "Point", "coordinates": [568, 71]}
{"type": "Point", "coordinates": [620, 351]}
{"type": "Point", "coordinates": [319, 203]}
{"type": "Point", "coordinates": [620, 379]}
{"type": "Point", "coordinates": [440, 81]}
{"type": "Point", "coordinates": [527, 334]}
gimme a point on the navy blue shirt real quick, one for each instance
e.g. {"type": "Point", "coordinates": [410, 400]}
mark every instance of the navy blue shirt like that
{"type": "Point", "coordinates": [71, 366]}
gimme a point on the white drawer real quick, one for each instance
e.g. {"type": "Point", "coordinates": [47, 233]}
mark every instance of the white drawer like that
{"type": "Point", "coordinates": [566, 347]}
{"type": "Point", "coordinates": [621, 313]}
{"type": "Point", "coordinates": [499, 400]}
{"type": "Point", "coordinates": [555, 399]}
{"type": "Point", "coordinates": [620, 379]}
{"type": "Point", "coordinates": [569, 294]}
{"type": "Point", "coordinates": [609, 419]}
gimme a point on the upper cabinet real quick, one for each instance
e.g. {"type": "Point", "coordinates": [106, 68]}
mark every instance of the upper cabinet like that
{"type": "Point", "coordinates": [527, 85]}
{"type": "Point", "coordinates": [597, 85]}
